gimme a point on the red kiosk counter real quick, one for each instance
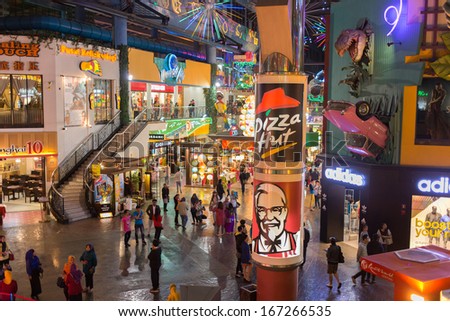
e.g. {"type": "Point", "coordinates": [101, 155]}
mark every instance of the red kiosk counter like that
{"type": "Point", "coordinates": [418, 274]}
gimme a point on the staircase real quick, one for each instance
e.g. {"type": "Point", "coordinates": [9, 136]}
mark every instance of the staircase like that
{"type": "Point", "coordinates": [74, 196]}
{"type": "Point", "coordinates": [75, 208]}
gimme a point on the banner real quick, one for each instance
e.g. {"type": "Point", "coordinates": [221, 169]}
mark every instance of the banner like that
{"type": "Point", "coordinates": [75, 113]}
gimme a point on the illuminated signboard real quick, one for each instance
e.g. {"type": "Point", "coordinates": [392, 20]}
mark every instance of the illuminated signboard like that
{"type": "Point", "coordinates": [87, 53]}
{"type": "Point", "coordinates": [345, 176]}
{"type": "Point", "coordinates": [393, 22]}
{"type": "Point", "coordinates": [16, 48]}
{"type": "Point", "coordinates": [438, 186]}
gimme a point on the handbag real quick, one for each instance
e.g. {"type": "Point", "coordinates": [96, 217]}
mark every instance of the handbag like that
{"type": "Point", "coordinates": [341, 257]}
{"type": "Point", "coordinates": [11, 256]}
{"type": "Point", "coordinates": [389, 240]}
{"type": "Point", "coordinates": [60, 282]}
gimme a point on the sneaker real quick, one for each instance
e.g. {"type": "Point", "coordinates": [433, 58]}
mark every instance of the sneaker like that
{"type": "Point", "coordinates": [330, 286]}
{"type": "Point", "coordinates": [154, 290]}
{"type": "Point", "coordinates": [144, 243]}
{"type": "Point", "coordinates": [340, 285]}
{"type": "Point", "coordinates": [90, 290]}
{"type": "Point", "coordinates": [353, 280]}
{"type": "Point", "coordinates": [237, 275]}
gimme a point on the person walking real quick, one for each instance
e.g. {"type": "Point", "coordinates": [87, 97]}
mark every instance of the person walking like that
{"type": "Point", "coordinates": [220, 190]}
{"type": "Point", "coordinates": [306, 238]}
{"type": "Point", "coordinates": [75, 289]}
{"type": "Point", "coordinates": [362, 252]}
{"type": "Point", "coordinates": [194, 202]}
{"type": "Point", "coordinates": [154, 258]}
{"type": "Point", "coordinates": [138, 215]}
{"type": "Point", "coordinates": [239, 238]}
{"type": "Point", "coordinates": [385, 237]}
{"type": "Point", "coordinates": [35, 272]}
{"type": "Point", "coordinates": [8, 287]}
{"type": "Point", "coordinates": [334, 253]}
{"type": "Point", "coordinates": [229, 218]}
{"type": "Point", "coordinates": [165, 196]}
{"type": "Point", "coordinates": [213, 205]}
{"type": "Point", "coordinates": [126, 223]}
{"type": "Point", "coordinates": [220, 219]}
{"type": "Point", "coordinates": [243, 180]}
{"type": "Point", "coordinates": [178, 180]}
{"type": "Point", "coordinates": [66, 272]}
{"type": "Point", "coordinates": [157, 222]}
{"type": "Point", "coordinates": [183, 209]}
{"type": "Point", "coordinates": [191, 108]}
{"type": "Point", "coordinates": [89, 260]}
{"type": "Point", "coordinates": [245, 259]}
{"type": "Point", "coordinates": [373, 247]}
{"type": "Point", "coordinates": [317, 193]}
{"type": "Point", "coordinates": [152, 210]}
{"type": "Point", "coordinates": [176, 200]}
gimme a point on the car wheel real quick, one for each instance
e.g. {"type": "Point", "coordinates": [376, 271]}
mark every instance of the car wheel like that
{"type": "Point", "coordinates": [363, 110]}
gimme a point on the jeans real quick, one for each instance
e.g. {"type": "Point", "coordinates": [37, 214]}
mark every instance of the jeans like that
{"type": "Point", "coordinates": [157, 232]}
{"type": "Point", "coordinates": [126, 237]}
{"type": "Point", "coordinates": [178, 186]}
{"type": "Point", "coordinates": [184, 219]}
{"type": "Point", "coordinates": [139, 228]}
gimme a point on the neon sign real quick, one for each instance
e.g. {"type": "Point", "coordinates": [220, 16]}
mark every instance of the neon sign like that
{"type": "Point", "coordinates": [345, 176]}
{"type": "Point", "coordinates": [440, 186]}
{"type": "Point", "coordinates": [397, 12]}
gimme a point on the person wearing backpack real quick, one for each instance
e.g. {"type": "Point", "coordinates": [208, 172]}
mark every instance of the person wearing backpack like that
{"type": "Point", "coordinates": [334, 255]}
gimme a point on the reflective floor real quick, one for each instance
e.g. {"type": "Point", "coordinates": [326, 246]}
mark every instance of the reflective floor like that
{"type": "Point", "coordinates": [195, 256]}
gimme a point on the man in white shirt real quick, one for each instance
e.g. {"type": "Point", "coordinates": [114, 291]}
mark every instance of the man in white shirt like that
{"type": "Point", "coordinates": [178, 180]}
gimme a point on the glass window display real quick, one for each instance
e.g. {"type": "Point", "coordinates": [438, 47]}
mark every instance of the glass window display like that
{"type": "Point", "coordinates": [102, 100]}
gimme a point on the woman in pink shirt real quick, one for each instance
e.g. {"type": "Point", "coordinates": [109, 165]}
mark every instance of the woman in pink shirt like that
{"type": "Point", "coordinates": [126, 223]}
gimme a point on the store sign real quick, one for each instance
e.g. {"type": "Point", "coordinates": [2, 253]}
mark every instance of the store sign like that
{"type": "Point", "coordinates": [16, 48]}
{"type": "Point", "coordinates": [345, 176]}
{"type": "Point", "coordinates": [156, 136]}
{"type": "Point", "coordinates": [377, 270]}
{"type": "Point", "coordinates": [31, 148]}
{"type": "Point", "coordinates": [87, 53]}
{"type": "Point", "coordinates": [393, 20]}
{"type": "Point", "coordinates": [92, 66]}
{"type": "Point", "coordinates": [248, 57]}
{"type": "Point", "coordinates": [439, 186]}
{"type": "Point", "coordinates": [179, 128]}
{"type": "Point", "coordinates": [19, 65]}
{"type": "Point", "coordinates": [163, 144]}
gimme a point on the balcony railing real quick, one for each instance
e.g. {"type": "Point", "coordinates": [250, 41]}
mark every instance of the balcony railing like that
{"type": "Point", "coordinates": [184, 112]}
{"type": "Point", "coordinates": [74, 160]}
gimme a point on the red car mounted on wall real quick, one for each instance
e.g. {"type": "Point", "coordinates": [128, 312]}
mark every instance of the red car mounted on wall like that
{"type": "Point", "coordinates": [365, 134]}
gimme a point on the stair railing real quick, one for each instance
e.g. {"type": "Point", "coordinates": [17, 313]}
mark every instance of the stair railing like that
{"type": "Point", "coordinates": [71, 162]}
{"type": "Point", "coordinates": [109, 149]}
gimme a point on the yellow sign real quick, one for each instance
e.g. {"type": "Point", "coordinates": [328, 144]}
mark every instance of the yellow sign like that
{"type": "Point", "coordinates": [28, 144]}
{"type": "Point", "coordinates": [92, 66]}
{"type": "Point", "coordinates": [88, 53]}
{"type": "Point", "coordinates": [96, 170]}
{"type": "Point", "coordinates": [16, 48]}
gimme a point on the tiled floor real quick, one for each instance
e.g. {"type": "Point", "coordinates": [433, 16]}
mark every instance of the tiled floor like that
{"type": "Point", "coordinates": [195, 256]}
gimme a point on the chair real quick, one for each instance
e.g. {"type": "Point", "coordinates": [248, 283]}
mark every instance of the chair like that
{"type": "Point", "coordinates": [28, 193]}
{"type": "Point", "coordinates": [7, 192]}
{"type": "Point", "coordinates": [37, 193]}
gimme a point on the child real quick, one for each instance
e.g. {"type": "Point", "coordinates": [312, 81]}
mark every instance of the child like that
{"type": "Point", "coordinates": [229, 187]}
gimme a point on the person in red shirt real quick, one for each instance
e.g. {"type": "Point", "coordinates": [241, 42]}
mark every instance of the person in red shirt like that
{"type": "Point", "coordinates": [126, 223]}
{"type": "Point", "coordinates": [157, 223]}
{"type": "Point", "coordinates": [73, 282]}
{"type": "Point", "coordinates": [8, 287]}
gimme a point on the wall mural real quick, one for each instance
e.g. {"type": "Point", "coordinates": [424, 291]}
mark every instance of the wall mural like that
{"type": "Point", "coordinates": [357, 43]}
{"type": "Point", "coordinates": [433, 112]}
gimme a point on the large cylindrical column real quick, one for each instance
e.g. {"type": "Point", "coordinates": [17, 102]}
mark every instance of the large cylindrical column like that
{"type": "Point", "coordinates": [281, 91]}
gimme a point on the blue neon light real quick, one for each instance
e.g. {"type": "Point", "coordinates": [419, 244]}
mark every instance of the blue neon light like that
{"type": "Point", "coordinates": [397, 12]}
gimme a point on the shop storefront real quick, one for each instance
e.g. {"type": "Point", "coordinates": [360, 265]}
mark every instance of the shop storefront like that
{"type": "Point", "coordinates": [412, 201]}
{"type": "Point", "coordinates": [236, 155]}
{"type": "Point", "coordinates": [26, 163]}
{"type": "Point", "coordinates": [201, 164]}
{"type": "Point", "coordinates": [62, 87]}
{"type": "Point", "coordinates": [167, 86]}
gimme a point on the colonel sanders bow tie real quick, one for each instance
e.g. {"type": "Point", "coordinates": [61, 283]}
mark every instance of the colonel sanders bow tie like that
{"type": "Point", "coordinates": [272, 245]}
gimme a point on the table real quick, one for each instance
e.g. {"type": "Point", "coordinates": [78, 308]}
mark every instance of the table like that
{"type": "Point", "coordinates": [14, 188]}
{"type": "Point", "coordinates": [36, 177]}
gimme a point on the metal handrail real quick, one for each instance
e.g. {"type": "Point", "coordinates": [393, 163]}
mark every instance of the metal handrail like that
{"type": "Point", "coordinates": [142, 117]}
{"type": "Point", "coordinates": [94, 140]}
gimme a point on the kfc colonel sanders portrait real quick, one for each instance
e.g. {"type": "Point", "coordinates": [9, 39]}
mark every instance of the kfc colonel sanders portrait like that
{"type": "Point", "coordinates": [271, 211]}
